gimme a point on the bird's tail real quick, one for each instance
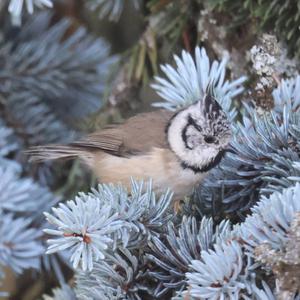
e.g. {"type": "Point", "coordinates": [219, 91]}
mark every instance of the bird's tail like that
{"type": "Point", "coordinates": [53, 152]}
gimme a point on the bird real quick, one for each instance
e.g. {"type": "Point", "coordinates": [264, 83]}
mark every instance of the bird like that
{"type": "Point", "coordinates": [176, 150]}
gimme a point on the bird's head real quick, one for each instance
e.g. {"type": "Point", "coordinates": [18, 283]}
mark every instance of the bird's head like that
{"type": "Point", "coordinates": [199, 134]}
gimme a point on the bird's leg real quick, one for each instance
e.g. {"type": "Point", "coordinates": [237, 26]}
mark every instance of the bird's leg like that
{"type": "Point", "coordinates": [177, 206]}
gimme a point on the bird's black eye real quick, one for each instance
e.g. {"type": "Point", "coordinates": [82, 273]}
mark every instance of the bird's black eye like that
{"type": "Point", "coordinates": [209, 139]}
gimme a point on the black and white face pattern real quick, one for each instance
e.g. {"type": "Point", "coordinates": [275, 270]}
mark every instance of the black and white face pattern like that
{"type": "Point", "coordinates": [199, 135]}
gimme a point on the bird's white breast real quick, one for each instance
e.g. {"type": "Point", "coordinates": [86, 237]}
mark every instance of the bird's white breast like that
{"type": "Point", "coordinates": [160, 164]}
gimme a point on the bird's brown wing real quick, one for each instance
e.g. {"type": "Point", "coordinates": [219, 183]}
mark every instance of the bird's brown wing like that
{"type": "Point", "coordinates": [137, 135]}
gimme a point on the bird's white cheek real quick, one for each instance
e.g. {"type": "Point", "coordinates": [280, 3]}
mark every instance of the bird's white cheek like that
{"type": "Point", "coordinates": [194, 141]}
{"type": "Point", "coordinates": [206, 154]}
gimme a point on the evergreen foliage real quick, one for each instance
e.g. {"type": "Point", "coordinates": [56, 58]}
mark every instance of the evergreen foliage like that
{"type": "Point", "coordinates": [65, 292]}
{"type": "Point", "coordinates": [236, 238]}
{"type": "Point", "coordinates": [111, 8]}
{"type": "Point", "coordinates": [219, 274]}
{"type": "Point", "coordinates": [125, 220]}
{"type": "Point", "coordinates": [56, 80]}
{"type": "Point", "coordinates": [49, 79]}
{"type": "Point", "coordinates": [190, 80]}
{"type": "Point", "coordinates": [271, 219]}
{"type": "Point", "coordinates": [283, 18]}
{"type": "Point", "coordinates": [25, 195]}
{"type": "Point", "coordinates": [265, 147]}
{"type": "Point", "coordinates": [16, 6]}
{"type": "Point", "coordinates": [87, 234]}
{"type": "Point", "coordinates": [115, 278]}
{"type": "Point", "coordinates": [20, 245]}
{"type": "Point", "coordinates": [180, 246]}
